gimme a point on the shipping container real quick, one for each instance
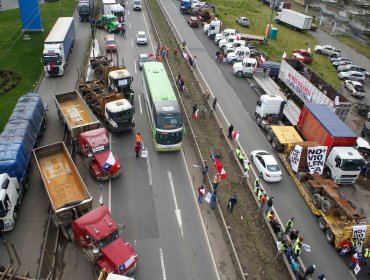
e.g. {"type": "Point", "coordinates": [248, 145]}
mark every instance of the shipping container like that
{"type": "Point", "coordinates": [318, 123]}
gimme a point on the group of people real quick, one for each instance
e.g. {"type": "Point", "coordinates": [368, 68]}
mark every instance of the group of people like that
{"type": "Point", "coordinates": [360, 255]}
{"type": "Point", "coordinates": [220, 57]}
{"type": "Point", "coordinates": [181, 82]}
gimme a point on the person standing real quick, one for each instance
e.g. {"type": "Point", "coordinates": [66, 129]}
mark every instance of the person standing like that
{"type": "Point", "coordinates": [183, 46]}
{"type": "Point", "coordinates": [270, 216]}
{"type": "Point", "coordinates": [217, 55]}
{"type": "Point", "coordinates": [289, 225]}
{"type": "Point", "coordinates": [214, 104]}
{"type": "Point", "coordinates": [205, 173]}
{"type": "Point", "coordinates": [231, 129]}
{"type": "Point", "coordinates": [201, 192]}
{"type": "Point", "coordinates": [263, 204]}
{"type": "Point", "coordinates": [213, 199]}
{"type": "Point", "coordinates": [247, 167]}
{"type": "Point", "coordinates": [295, 267]}
{"type": "Point", "coordinates": [175, 51]}
{"type": "Point", "coordinates": [297, 250]}
{"type": "Point", "coordinates": [138, 138]}
{"type": "Point", "coordinates": [206, 95]}
{"type": "Point", "coordinates": [195, 108]}
{"type": "Point", "coordinates": [257, 186]}
{"type": "Point", "coordinates": [137, 149]}
{"type": "Point", "coordinates": [232, 202]}
{"type": "Point", "coordinates": [269, 203]}
{"type": "Point", "coordinates": [216, 181]}
{"type": "Point", "coordinates": [310, 271]}
{"type": "Point", "coordinates": [345, 246]}
{"type": "Point", "coordinates": [195, 61]}
{"type": "Point", "coordinates": [294, 234]}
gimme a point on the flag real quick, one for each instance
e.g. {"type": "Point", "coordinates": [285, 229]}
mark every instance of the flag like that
{"type": "Point", "coordinates": [238, 37]}
{"type": "Point", "coordinates": [109, 162]}
{"type": "Point", "coordinates": [50, 66]}
{"type": "Point", "coordinates": [150, 54]}
{"type": "Point", "coordinates": [101, 195]}
{"type": "Point", "coordinates": [262, 59]}
{"type": "Point", "coordinates": [220, 169]}
{"type": "Point", "coordinates": [236, 135]}
{"type": "Point", "coordinates": [195, 116]}
{"type": "Point", "coordinates": [336, 100]}
{"type": "Point", "coordinates": [309, 50]}
{"type": "Point", "coordinates": [284, 55]}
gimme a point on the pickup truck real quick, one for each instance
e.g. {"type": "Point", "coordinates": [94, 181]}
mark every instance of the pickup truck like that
{"type": "Point", "coordinates": [327, 50]}
{"type": "Point", "coordinates": [302, 55]}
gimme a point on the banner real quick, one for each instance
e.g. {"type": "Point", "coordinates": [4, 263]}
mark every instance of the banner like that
{"type": "Point", "coordinates": [316, 159]}
{"type": "Point", "coordinates": [295, 157]}
{"type": "Point", "coordinates": [359, 233]}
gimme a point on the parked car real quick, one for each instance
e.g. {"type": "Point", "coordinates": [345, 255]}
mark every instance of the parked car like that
{"type": "Point", "coordinates": [341, 62]}
{"type": "Point", "coordinates": [352, 75]}
{"type": "Point", "coordinates": [144, 57]}
{"type": "Point", "coordinates": [193, 22]}
{"type": "Point", "coordinates": [328, 50]}
{"type": "Point", "coordinates": [110, 43]}
{"type": "Point", "coordinates": [302, 55]}
{"type": "Point", "coordinates": [332, 59]}
{"type": "Point", "coordinates": [352, 67]}
{"type": "Point", "coordinates": [266, 165]}
{"type": "Point", "coordinates": [141, 38]}
{"type": "Point", "coordinates": [243, 21]}
{"type": "Point", "coordinates": [355, 88]}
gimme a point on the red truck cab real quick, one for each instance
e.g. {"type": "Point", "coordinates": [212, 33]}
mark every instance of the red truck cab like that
{"type": "Point", "coordinates": [95, 147]}
{"type": "Point", "coordinates": [98, 235]}
{"type": "Point", "coordinates": [302, 55]}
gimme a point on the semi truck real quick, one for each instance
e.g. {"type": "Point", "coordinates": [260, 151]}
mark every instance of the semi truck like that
{"type": "Point", "coordinates": [238, 54]}
{"type": "Point", "coordinates": [85, 9]}
{"type": "Point", "coordinates": [23, 131]}
{"type": "Point", "coordinates": [58, 46]}
{"type": "Point", "coordinates": [93, 230]}
{"type": "Point", "coordinates": [294, 20]}
{"type": "Point", "coordinates": [106, 6]}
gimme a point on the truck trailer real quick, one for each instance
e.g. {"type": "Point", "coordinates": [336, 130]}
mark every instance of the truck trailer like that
{"type": "Point", "coordinates": [57, 46]}
{"type": "Point", "coordinates": [294, 20]}
{"type": "Point", "coordinates": [23, 131]}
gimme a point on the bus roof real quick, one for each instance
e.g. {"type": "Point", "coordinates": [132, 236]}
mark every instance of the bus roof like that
{"type": "Point", "coordinates": [158, 82]}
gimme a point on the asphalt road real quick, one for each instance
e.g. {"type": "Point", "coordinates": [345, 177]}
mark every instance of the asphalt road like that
{"type": "Point", "coordinates": [237, 102]}
{"type": "Point", "coordinates": [144, 196]}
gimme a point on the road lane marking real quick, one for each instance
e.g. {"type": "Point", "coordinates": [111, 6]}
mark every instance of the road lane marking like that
{"type": "Point", "coordinates": [129, 24]}
{"type": "Point", "coordinates": [128, 12]}
{"type": "Point", "coordinates": [135, 66]}
{"type": "Point", "coordinates": [132, 43]}
{"type": "Point", "coordinates": [191, 185]}
{"type": "Point", "coordinates": [149, 170]}
{"type": "Point", "coordinates": [141, 109]}
{"type": "Point", "coordinates": [162, 264]}
{"type": "Point", "coordinates": [177, 210]}
{"type": "Point", "coordinates": [147, 30]}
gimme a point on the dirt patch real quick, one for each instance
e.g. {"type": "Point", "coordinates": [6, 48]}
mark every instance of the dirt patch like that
{"type": "Point", "coordinates": [9, 79]}
{"type": "Point", "coordinates": [253, 241]}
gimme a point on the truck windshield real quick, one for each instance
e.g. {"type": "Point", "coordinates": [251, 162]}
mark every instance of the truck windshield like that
{"type": "Point", "coordinates": [51, 59]}
{"type": "Point", "coordinates": [352, 165]}
{"type": "Point", "coordinates": [84, 10]}
{"type": "Point", "coordinates": [118, 13]}
{"type": "Point", "coordinates": [100, 149]}
{"type": "Point", "coordinates": [138, 3]}
{"type": "Point", "coordinates": [104, 242]}
{"type": "Point", "coordinates": [119, 117]}
{"type": "Point", "coordinates": [124, 82]}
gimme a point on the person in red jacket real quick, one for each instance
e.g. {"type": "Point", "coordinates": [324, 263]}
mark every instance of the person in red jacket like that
{"type": "Point", "coordinates": [345, 246]}
{"type": "Point", "coordinates": [201, 193]}
{"type": "Point", "coordinates": [137, 149]}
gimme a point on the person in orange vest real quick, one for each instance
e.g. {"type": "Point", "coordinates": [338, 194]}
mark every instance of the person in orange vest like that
{"type": "Point", "coordinates": [138, 139]}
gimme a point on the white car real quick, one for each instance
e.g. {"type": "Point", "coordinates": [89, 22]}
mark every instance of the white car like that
{"type": "Point", "coordinates": [266, 165]}
{"type": "Point", "coordinates": [356, 88]}
{"type": "Point", "coordinates": [328, 50]}
{"type": "Point", "coordinates": [141, 38]}
{"type": "Point", "coordinates": [352, 75]}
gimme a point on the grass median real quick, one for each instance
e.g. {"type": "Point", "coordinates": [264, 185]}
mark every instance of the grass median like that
{"type": "Point", "coordinates": [24, 56]}
{"type": "Point", "coordinates": [251, 237]}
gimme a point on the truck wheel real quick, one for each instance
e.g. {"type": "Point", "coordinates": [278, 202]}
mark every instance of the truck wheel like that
{"type": "Point", "coordinates": [258, 120]}
{"type": "Point", "coordinates": [326, 207]}
{"type": "Point", "coordinates": [110, 30]}
{"type": "Point", "coordinates": [240, 74]}
{"type": "Point", "coordinates": [317, 200]}
{"type": "Point", "coordinates": [233, 61]}
{"type": "Point", "coordinates": [275, 143]}
{"type": "Point", "coordinates": [15, 214]}
{"type": "Point", "coordinates": [322, 223]}
{"type": "Point", "coordinates": [270, 135]}
{"type": "Point", "coordinates": [327, 173]}
{"type": "Point", "coordinates": [330, 237]}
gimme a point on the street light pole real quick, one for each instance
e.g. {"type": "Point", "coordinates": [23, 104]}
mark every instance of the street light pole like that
{"type": "Point", "coordinates": [269, 27]}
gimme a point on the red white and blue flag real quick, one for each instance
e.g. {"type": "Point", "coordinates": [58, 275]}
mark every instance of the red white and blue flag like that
{"type": "Point", "coordinates": [219, 166]}
{"type": "Point", "coordinates": [110, 161]}
{"type": "Point", "coordinates": [50, 66]}
{"type": "Point", "coordinates": [195, 116]}
{"type": "Point", "coordinates": [236, 135]}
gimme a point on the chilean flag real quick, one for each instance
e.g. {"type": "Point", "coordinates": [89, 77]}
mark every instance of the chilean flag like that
{"type": "Point", "coordinates": [238, 37]}
{"type": "Point", "coordinates": [219, 166]}
{"type": "Point", "coordinates": [195, 116]}
{"type": "Point", "coordinates": [50, 66]}
{"type": "Point", "coordinates": [262, 59]}
{"type": "Point", "coordinates": [110, 161]}
{"type": "Point", "coordinates": [236, 135]}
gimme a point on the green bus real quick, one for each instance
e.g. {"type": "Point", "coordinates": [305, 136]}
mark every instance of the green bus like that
{"type": "Point", "coordinates": [163, 108]}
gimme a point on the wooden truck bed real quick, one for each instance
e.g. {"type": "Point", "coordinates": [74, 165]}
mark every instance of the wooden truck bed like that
{"type": "Point", "coordinates": [60, 176]}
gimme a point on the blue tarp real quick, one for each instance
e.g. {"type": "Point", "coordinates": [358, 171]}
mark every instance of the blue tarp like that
{"type": "Point", "coordinates": [20, 135]}
{"type": "Point", "coordinates": [332, 123]}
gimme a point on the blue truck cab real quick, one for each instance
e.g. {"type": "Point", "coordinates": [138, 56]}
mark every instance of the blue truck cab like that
{"type": "Point", "coordinates": [185, 6]}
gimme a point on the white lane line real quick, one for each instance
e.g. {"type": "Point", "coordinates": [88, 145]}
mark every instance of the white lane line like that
{"type": "Point", "coordinates": [129, 24]}
{"type": "Point", "coordinates": [149, 171]}
{"type": "Point", "coordinates": [135, 66]}
{"type": "Point", "coordinates": [147, 30]}
{"type": "Point", "coordinates": [128, 12]}
{"type": "Point", "coordinates": [191, 185]}
{"type": "Point", "coordinates": [132, 43]}
{"type": "Point", "coordinates": [141, 109]}
{"type": "Point", "coordinates": [162, 264]}
{"type": "Point", "coordinates": [110, 184]}
{"type": "Point", "coordinates": [177, 210]}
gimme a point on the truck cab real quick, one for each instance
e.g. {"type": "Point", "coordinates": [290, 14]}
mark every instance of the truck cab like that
{"type": "Point", "coordinates": [95, 147]}
{"type": "Point", "coordinates": [85, 8]}
{"type": "Point", "coordinates": [230, 39]}
{"type": "Point", "coordinates": [118, 11]}
{"type": "Point", "coordinates": [99, 236]}
{"type": "Point", "coordinates": [120, 81]}
{"type": "Point", "coordinates": [227, 32]}
{"type": "Point", "coordinates": [214, 28]}
{"type": "Point", "coordinates": [230, 47]}
{"type": "Point", "coordinates": [185, 6]}
{"type": "Point", "coordinates": [53, 59]}
{"type": "Point", "coordinates": [246, 68]}
{"type": "Point", "coordinates": [136, 5]}
{"type": "Point", "coordinates": [238, 55]}
{"type": "Point", "coordinates": [343, 165]}
{"type": "Point", "coordinates": [110, 23]}
{"type": "Point", "coordinates": [269, 106]}
{"type": "Point", "coordinates": [119, 115]}
{"type": "Point", "coordinates": [10, 197]}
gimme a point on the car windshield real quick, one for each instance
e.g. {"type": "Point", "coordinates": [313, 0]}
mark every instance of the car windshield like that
{"type": "Point", "coordinates": [141, 36]}
{"type": "Point", "coordinates": [104, 242]}
{"type": "Point", "coordinates": [359, 88]}
{"type": "Point", "coordinates": [273, 168]}
{"type": "Point", "coordinates": [352, 165]}
{"type": "Point", "coordinates": [143, 58]}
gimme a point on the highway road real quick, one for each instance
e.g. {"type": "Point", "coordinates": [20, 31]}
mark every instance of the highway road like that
{"type": "Point", "coordinates": [237, 101]}
{"type": "Point", "coordinates": [154, 197]}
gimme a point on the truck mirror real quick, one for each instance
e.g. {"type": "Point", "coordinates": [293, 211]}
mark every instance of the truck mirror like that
{"type": "Point", "coordinates": [259, 102]}
{"type": "Point", "coordinates": [121, 227]}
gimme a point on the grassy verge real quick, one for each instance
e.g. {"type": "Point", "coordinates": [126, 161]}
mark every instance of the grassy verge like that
{"type": "Point", "coordinates": [251, 237]}
{"type": "Point", "coordinates": [24, 56]}
{"type": "Point", "coordinates": [358, 46]}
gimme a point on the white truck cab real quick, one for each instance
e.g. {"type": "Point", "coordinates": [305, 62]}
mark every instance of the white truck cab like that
{"type": "Point", "coordinates": [136, 5]}
{"type": "Point", "coordinates": [343, 165]}
{"type": "Point", "coordinates": [230, 47]}
{"type": "Point", "coordinates": [227, 32]}
{"type": "Point", "coordinates": [238, 55]}
{"type": "Point", "coordinates": [245, 68]}
{"type": "Point", "coordinates": [214, 28]}
{"type": "Point", "coordinates": [230, 39]}
{"type": "Point", "coordinates": [269, 105]}
{"type": "Point", "coordinates": [10, 197]}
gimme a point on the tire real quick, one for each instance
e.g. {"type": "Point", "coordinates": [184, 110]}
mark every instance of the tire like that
{"type": "Point", "coordinates": [330, 237]}
{"type": "Point", "coordinates": [326, 207]}
{"type": "Point", "coordinates": [275, 143]}
{"type": "Point", "coordinates": [322, 223]}
{"type": "Point", "coordinates": [327, 173]}
{"type": "Point", "coordinates": [240, 74]}
{"type": "Point", "coordinates": [318, 51]}
{"type": "Point", "coordinates": [110, 30]}
{"type": "Point", "coordinates": [233, 61]}
{"type": "Point", "coordinates": [258, 120]}
{"type": "Point", "coordinates": [317, 200]}
{"type": "Point", "coordinates": [15, 214]}
{"type": "Point", "coordinates": [270, 135]}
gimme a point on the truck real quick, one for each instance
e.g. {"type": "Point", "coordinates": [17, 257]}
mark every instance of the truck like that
{"type": "Point", "coordinates": [238, 54]}
{"type": "Point", "coordinates": [22, 132]}
{"type": "Point", "coordinates": [110, 23]}
{"type": "Point", "coordinates": [106, 6]}
{"type": "Point", "coordinates": [230, 47]}
{"type": "Point", "coordinates": [214, 28]}
{"type": "Point", "coordinates": [245, 68]}
{"type": "Point", "coordinates": [57, 46]}
{"type": "Point", "coordinates": [110, 96]}
{"type": "Point", "coordinates": [185, 6]}
{"type": "Point", "coordinates": [224, 34]}
{"type": "Point", "coordinates": [87, 138]}
{"type": "Point", "coordinates": [294, 20]}
{"type": "Point", "coordinates": [93, 230]}
{"type": "Point", "coordinates": [303, 159]}
{"type": "Point", "coordinates": [118, 11]}
{"type": "Point", "coordinates": [136, 5]}
{"type": "Point", "coordinates": [85, 9]}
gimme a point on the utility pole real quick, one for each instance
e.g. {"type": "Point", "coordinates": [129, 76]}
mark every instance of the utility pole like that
{"type": "Point", "coordinates": [269, 28]}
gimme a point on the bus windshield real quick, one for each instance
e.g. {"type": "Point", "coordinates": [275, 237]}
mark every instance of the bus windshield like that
{"type": "Point", "coordinates": [168, 121]}
{"type": "Point", "coordinates": [169, 138]}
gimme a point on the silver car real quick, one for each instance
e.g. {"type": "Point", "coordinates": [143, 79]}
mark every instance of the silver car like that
{"type": "Point", "coordinates": [141, 38]}
{"type": "Point", "coordinates": [352, 75]}
{"type": "Point", "coordinates": [243, 21]}
{"type": "Point", "coordinates": [144, 57]}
